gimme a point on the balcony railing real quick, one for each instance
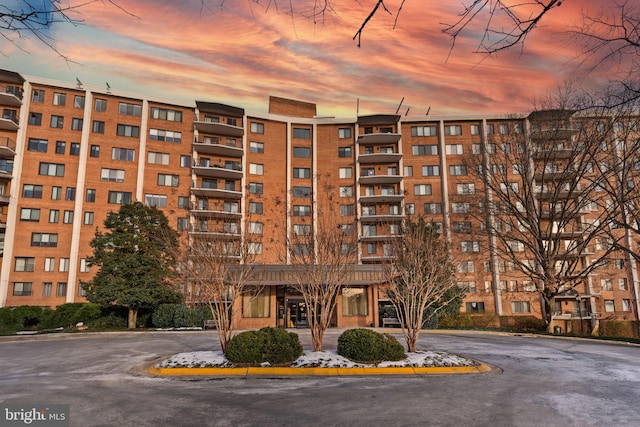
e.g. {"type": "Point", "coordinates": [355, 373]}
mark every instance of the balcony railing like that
{"type": "Point", "coordinates": [7, 143]}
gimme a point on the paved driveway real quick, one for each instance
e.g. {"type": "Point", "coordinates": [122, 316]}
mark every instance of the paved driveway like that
{"type": "Point", "coordinates": [541, 382]}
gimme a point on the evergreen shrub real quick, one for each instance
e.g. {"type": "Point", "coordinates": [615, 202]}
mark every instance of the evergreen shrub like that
{"type": "Point", "coordinates": [267, 345]}
{"type": "Point", "coordinates": [368, 346]}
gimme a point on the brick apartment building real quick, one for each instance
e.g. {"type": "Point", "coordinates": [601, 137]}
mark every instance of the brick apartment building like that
{"type": "Point", "coordinates": [70, 154]}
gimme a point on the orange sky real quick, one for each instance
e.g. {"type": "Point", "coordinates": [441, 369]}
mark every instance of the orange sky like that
{"type": "Point", "coordinates": [239, 53]}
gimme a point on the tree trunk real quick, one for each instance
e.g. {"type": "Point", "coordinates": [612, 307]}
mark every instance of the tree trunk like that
{"type": "Point", "coordinates": [132, 318]}
{"type": "Point", "coordinates": [411, 337]}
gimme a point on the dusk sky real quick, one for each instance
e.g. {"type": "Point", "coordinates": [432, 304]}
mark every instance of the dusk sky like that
{"type": "Point", "coordinates": [240, 54]}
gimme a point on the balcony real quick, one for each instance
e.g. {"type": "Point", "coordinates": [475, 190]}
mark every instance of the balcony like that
{"type": "Point", "coordinates": [4, 200]}
{"type": "Point", "coordinates": [369, 178]}
{"type": "Point", "coordinates": [230, 170]}
{"type": "Point", "coordinates": [561, 175]}
{"type": "Point", "coordinates": [378, 237]}
{"type": "Point", "coordinates": [217, 128]}
{"type": "Point", "coordinates": [381, 198]}
{"type": "Point", "coordinates": [210, 213]}
{"type": "Point", "coordinates": [215, 192]}
{"type": "Point", "coordinates": [213, 146]}
{"type": "Point", "coordinates": [10, 96]}
{"type": "Point", "coordinates": [379, 138]}
{"type": "Point", "coordinates": [9, 120]}
{"type": "Point", "coordinates": [379, 158]}
{"type": "Point", "coordinates": [229, 231]}
{"type": "Point", "coordinates": [568, 315]}
{"type": "Point", "coordinates": [370, 217]}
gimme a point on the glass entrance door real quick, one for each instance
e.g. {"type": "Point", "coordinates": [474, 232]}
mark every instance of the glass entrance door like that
{"type": "Point", "coordinates": [296, 314]}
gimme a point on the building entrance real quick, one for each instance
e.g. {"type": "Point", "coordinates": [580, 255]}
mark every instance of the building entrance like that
{"type": "Point", "coordinates": [296, 313]}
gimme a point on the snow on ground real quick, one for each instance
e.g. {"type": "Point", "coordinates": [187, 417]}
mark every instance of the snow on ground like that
{"type": "Point", "coordinates": [318, 359]}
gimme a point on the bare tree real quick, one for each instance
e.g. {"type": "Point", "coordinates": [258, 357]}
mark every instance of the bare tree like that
{"type": "Point", "coordinates": [217, 271]}
{"type": "Point", "coordinates": [420, 276]}
{"type": "Point", "coordinates": [544, 203]}
{"type": "Point", "coordinates": [23, 19]}
{"type": "Point", "coordinates": [321, 258]}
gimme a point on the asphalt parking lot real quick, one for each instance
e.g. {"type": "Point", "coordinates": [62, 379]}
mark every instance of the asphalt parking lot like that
{"type": "Point", "coordinates": [538, 381]}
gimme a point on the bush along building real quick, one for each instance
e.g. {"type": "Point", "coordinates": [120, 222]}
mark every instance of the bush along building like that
{"type": "Point", "coordinates": [538, 209]}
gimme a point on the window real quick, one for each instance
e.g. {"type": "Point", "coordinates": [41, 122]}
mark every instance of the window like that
{"type": "Point", "coordinates": [54, 216]}
{"type": "Point", "coordinates": [168, 180]}
{"type": "Point", "coordinates": [301, 173]}
{"type": "Point", "coordinates": [84, 265]}
{"type": "Point", "coordinates": [37, 95]}
{"type": "Point", "coordinates": [345, 173]}
{"type": "Point", "coordinates": [56, 193]}
{"type": "Point", "coordinates": [100, 104]}
{"type": "Point", "coordinates": [76, 123]}
{"type": "Point", "coordinates": [430, 170]}
{"type": "Point", "coordinates": [157, 158]}
{"type": "Point", "coordinates": [303, 152]}
{"type": "Point", "coordinates": [255, 188]}
{"type": "Point", "coordinates": [165, 135]}
{"type": "Point", "coordinates": [301, 191]}
{"type": "Point", "coordinates": [504, 129]}
{"type": "Point", "coordinates": [114, 175]}
{"type": "Point", "coordinates": [255, 207]}
{"type": "Point", "coordinates": [256, 169]}
{"type": "Point", "coordinates": [29, 214]}
{"type": "Point", "coordinates": [25, 264]}
{"type": "Point", "coordinates": [475, 130]}
{"type": "Point", "coordinates": [57, 122]}
{"type": "Point", "coordinates": [88, 218]}
{"type": "Point", "coordinates": [123, 154]}
{"type": "Point", "coordinates": [61, 289]}
{"type": "Point", "coordinates": [344, 151]}
{"type": "Point", "coordinates": [354, 302]}
{"type": "Point", "coordinates": [129, 109]}
{"type": "Point", "coordinates": [469, 188]}
{"type": "Point", "coordinates": [490, 129]}
{"type": "Point", "coordinates": [67, 217]}
{"type": "Point", "coordinates": [128, 130]}
{"type": "Point", "coordinates": [22, 289]}
{"type": "Point", "coordinates": [185, 161]}
{"type": "Point", "coordinates": [347, 210]}
{"type": "Point", "coordinates": [424, 150]}
{"type": "Point", "coordinates": [256, 303]}
{"type": "Point", "coordinates": [35, 119]}
{"type": "Point", "coordinates": [622, 284]}
{"type": "Point", "coordinates": [474, 307]}
{"type": "Point", "coordinates": [408, 171]}
{"type": "Point", "coordinates": [256, 147]}
{"type": "Point", "coordinates": [257, 127]}
{"type": "Point", "coordinates": [119, 197]}
{"type": "Point", "coordinates": [90, 195]}
{"type": "Point", "coordinates": [157, 200]}
{"type": "Point", "coordinates": [61, 147]}
{"type": "Point", "coordinates": [470, 246]}
{"type": "Point", "coordinates": [301, 210]}
{"type": "Point", "coordinates": [424, 131]}
{"type": "Point", "coordinates": [609, 307]}
{"type": "Point", "coordinates": [462, 227]}
{"type": "Point", "coordinates": [520, 307]}
{"type": "Point", "coordinates": [606, 284]}
{"type": "Point", "coordinates": [254, 228]}
{"type": "Point", "coordinates": [74, 150]}
{"type": "Point", "coordinates": [453, 130]}
{"type": "Point", "coordinates": [344, 133]}
{"type": "Point", "coordinates": [51, 169]}
{"type": "Point", "coordinates": [346, 191]}
{"type": "Point", "coordinates": [302, 133]}
{"type": "Point", "coordinates": [432, 208]}
{"type": "Point", "coordinates": [452, 149]}
{"type": "Point", "coordinates": [371, 249]}
{"type": "Point", "coordinates": [626, 305]}
{"type": "Point", "coordinates": [94, 151]}
{"type": "Point", "coordinates": [457, 170]}
{"type": "Point", "coordinates": [70, 193]}
{"type": "Point", "coordinates": [166, 114]}
{"type": "Point", "coordinates": [301, 229]}
{"type": "Point", "coordinates": [183, 223]}
{"type": "Point", "coordinates": [39, 145]}
{"type": "Point", "coordinates": [59, 98]}
{"type": "Point", "coordinates": [63, 265]}
{"type": "Point", "coordinates": [422, 189]}
{"type": "Point", "coordinates": [44, 239]}
{"type": "Point", "coordinates": [46, 289]}
{"type": "Point", "coordinates": [183, 202]}
{"type": "Point", "coordinates": [78, 101]}
{"type": "Point", "coordinates": [460, 207]}
{"type": "Point", "coordinates": [410, 208]}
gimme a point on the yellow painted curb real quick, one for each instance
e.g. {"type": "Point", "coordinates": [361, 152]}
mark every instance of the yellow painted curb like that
{"type": "Point", "coordinates": [287, 371]}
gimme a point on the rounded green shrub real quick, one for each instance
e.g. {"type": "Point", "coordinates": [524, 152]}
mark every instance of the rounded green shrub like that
{"type": "Point", "coordinates": [368, 346]}
{"type": "Point", "coordinates": [172, 316]}
{"type": "Point", "coordinates": [27, 316]}
{"type": "Point", "coordinates": [267, 345]}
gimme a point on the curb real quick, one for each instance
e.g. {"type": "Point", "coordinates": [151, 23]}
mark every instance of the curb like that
{"type": "Point", "coordinates": [295, 372]}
